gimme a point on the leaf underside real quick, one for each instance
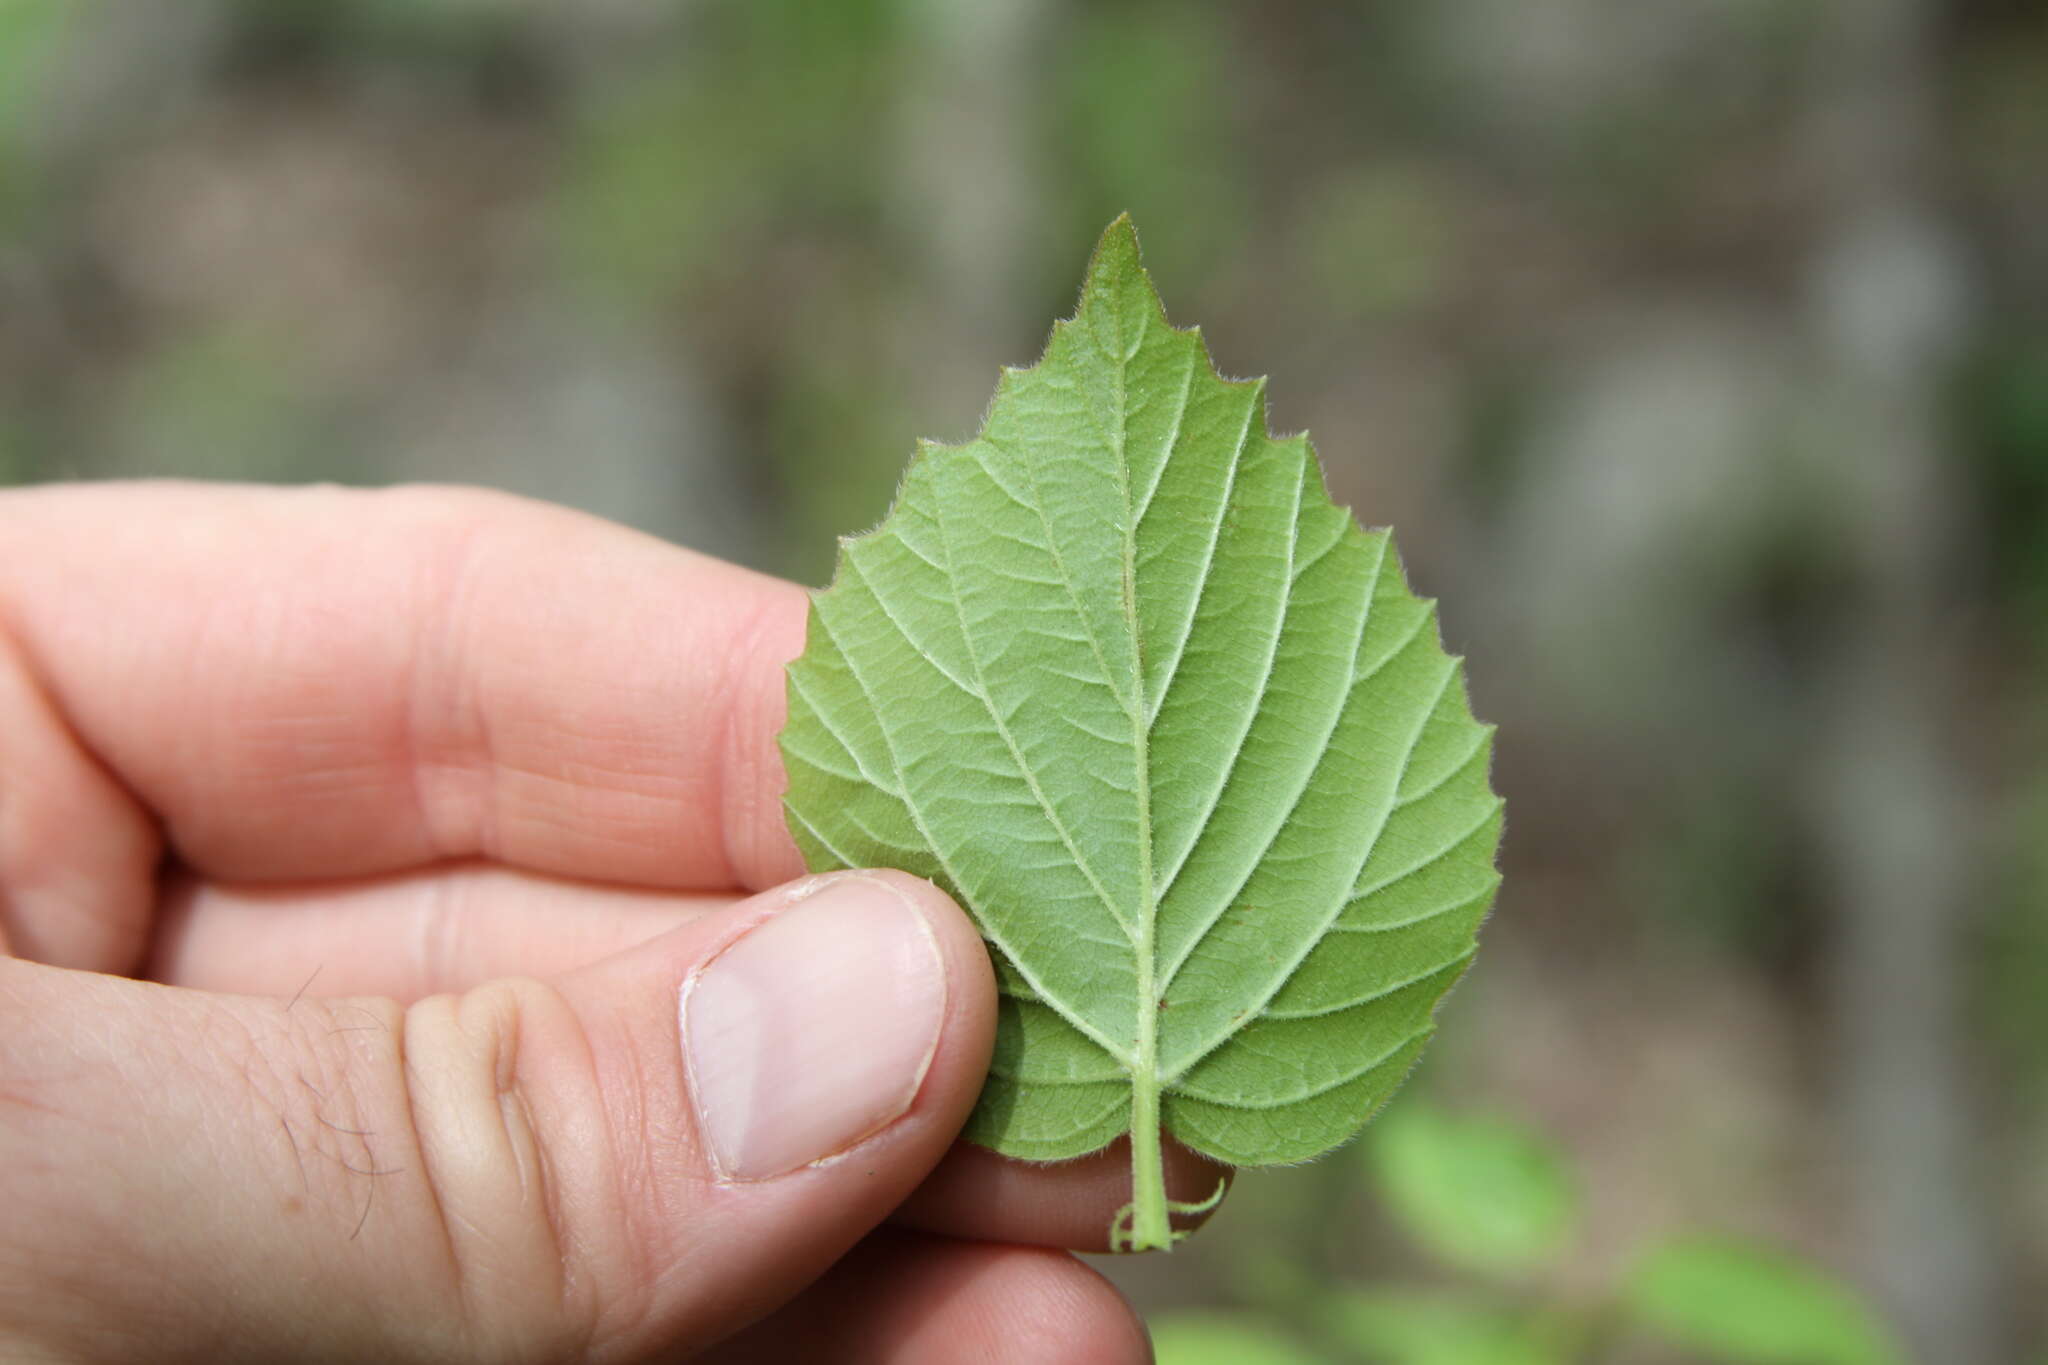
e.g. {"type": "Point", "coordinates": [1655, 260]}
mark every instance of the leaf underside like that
{"type": "Point", "coordinates": [1120, 677]}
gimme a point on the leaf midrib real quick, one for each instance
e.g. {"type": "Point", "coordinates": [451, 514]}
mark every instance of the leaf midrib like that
{"type": "Point", "coordinates": [1145, 1066]}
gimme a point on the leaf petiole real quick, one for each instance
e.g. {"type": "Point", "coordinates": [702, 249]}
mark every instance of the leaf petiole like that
{"type": "Point", "coordinates": [1146, 1223]}
{"type": "Point", "coordinates": [1150, 1227]}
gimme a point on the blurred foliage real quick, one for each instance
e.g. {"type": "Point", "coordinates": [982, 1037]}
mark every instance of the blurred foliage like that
{"type": "Point", "coordinates": [451, 36]}
{"type": "Point", "coordinates": [223, 404]}
{"type": "Point", "coordinates": [1744, 1303]}
{"type": "Point", "coordinates": [14, 461]}
{"type": "Point", "coordinates": [2004, 401]}
{"type": "Point", "coordinates": [1488, 1195]}
{"type": "Point", "coordinates": [770, 117]}
{"type": "Point", "coordinates": [1540, 275]}
{"type": "Point", "coordinates": [1484, 1195]}
{"type": "Point", "coordinates": [2013, 949]}
{"type": "Point", "coordinates": [1379, 239]}
{"type": "Point", "coordinates": [29, 30]}
{"type": "Point", "coordinates": [1431, 1328]}
{"type": "Point", "coordinates": [30, 34]}
{"type": "Point", "coordinates": [1138, 131]}
{"type": "Point", "coordinates": [1202, 1338]}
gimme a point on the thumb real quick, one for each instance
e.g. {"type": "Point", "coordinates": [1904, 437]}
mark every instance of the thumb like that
{"type": "Point", "coordinates": [643, 1155]}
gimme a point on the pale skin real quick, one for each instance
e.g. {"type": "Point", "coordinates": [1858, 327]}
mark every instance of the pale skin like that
{"type": "Point", "coordinates": [354, 848]}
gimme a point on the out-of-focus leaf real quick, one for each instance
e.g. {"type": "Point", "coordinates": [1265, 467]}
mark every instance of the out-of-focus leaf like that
{"type": "Point", "coordinates": [1379, 241]}
{"type": "Point", "coordinates": [1397, 1327]}
{"type": "Point", "coordinates": [1139, 127]}
{"type": "Point", "coordinates": [29, 34]}
{"type": "Point", "coordinates": [1755, 1306]}
{"type": "Point", "coordinates": [1203, 1338]}
{"type": "Point", "coordinates": [223, 403]}
{"type": "Point", "coordinates": [1483, 1193]}
{"type": "Point", "coordinates": [32, 36]}
{"type": "Point", "coordinates": [773, 115]}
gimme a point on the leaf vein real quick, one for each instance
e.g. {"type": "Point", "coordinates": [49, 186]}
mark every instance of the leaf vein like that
{"type": "Point", "coordinates": [803, 690]}
{"type": "Point", "coordinates": [1229, 770]}
{"type": "Point", "coordinates": [939, 855]}
{"type": "Point", "coordinates": [1422, 917]}
{"type": "Point", "coordinates": [1187, 627]}
{"type": "Point", "coordinates": [1377, 992]}
{"type": "Point", "coordinates": [1359, 894]}
{"type": "Point", "coordinates": [1187, 390]}
{"type": "Point", "coordinates": [1283, 1102]}
{"type": "Point", "coordinates": [1314, 755]}
{"type": "Point", "coordinates": [1024, 769]}
{"type": "Point", "coordinates": [823, 839]}
{"type": "Point", "coordinates": [997, 1069]}
{"type": "Point", "coordinates": [1450, 774]}
{"type": "Point", "coordinates": [1308, 946]}
{"type": "Point", "coordinates": [928, 654]}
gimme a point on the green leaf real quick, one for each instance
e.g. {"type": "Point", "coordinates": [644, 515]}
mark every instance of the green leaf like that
{"type": "Point", "coordinates": [1211, 1338]}
{"type": "Point", "coordinates": [1414, 1328]}
{"type": "Point", "coordinates": [1120, 677]}
{"type": "Point", "coordinates": [1755, 1306]}
{"type": "Point", "coordinates": [1484, 1194]}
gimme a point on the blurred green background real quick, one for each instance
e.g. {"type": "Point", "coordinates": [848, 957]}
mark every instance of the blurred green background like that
{"type": "Point", "coordinates": [1698, 349]}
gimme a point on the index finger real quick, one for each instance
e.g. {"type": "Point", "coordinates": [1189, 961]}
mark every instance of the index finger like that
{"type": "Point", "coordinates": [321, 682]}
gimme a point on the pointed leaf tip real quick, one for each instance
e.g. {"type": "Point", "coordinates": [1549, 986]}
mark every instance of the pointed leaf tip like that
{"type": "Point", "coordinates": [1121, 235]}
{"type": "Point", "coordinates": [1115, 264]}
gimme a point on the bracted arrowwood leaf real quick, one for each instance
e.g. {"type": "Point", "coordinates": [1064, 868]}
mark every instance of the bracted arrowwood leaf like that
{"type": "Point", "coordinates": [1120, 677]}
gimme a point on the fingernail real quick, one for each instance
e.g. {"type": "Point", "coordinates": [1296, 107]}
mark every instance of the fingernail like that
{"type": "Point", "coordinates": [813, 1029]}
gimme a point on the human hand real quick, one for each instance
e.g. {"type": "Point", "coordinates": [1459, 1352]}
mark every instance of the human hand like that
{"type": "Point", "coordinates": [359, 856]}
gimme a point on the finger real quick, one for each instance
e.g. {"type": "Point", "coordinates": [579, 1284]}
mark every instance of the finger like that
{"type": "Point", "coordinates": [327, 683]}
{"type": "Point", "coordinates": [77, 855]}
{"type": "Point", "coordinates": [405, 935]}
{"type": "Point", "coordinates": [975, 1193]}
{"type": "Point", "coordinates": [907, 1299]}
{"type": "Point", "coordinates": [647, 1154]}
{"type": "Point", "coordinates": [415, 934]}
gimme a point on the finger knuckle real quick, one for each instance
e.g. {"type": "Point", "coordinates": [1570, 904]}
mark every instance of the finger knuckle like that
{"type": "Point", "coordinates": [469, 1063]}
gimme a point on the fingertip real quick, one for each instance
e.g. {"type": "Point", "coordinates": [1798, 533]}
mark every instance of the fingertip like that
{"type": "Point", "coordinates": [778, 1078]}
{"type": "Point", "coordinates": [969, 970]}
{"type": "Point", "coordinates": [958, 1066]}
{"type": "Point", "coordinates": [970, 1014]}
